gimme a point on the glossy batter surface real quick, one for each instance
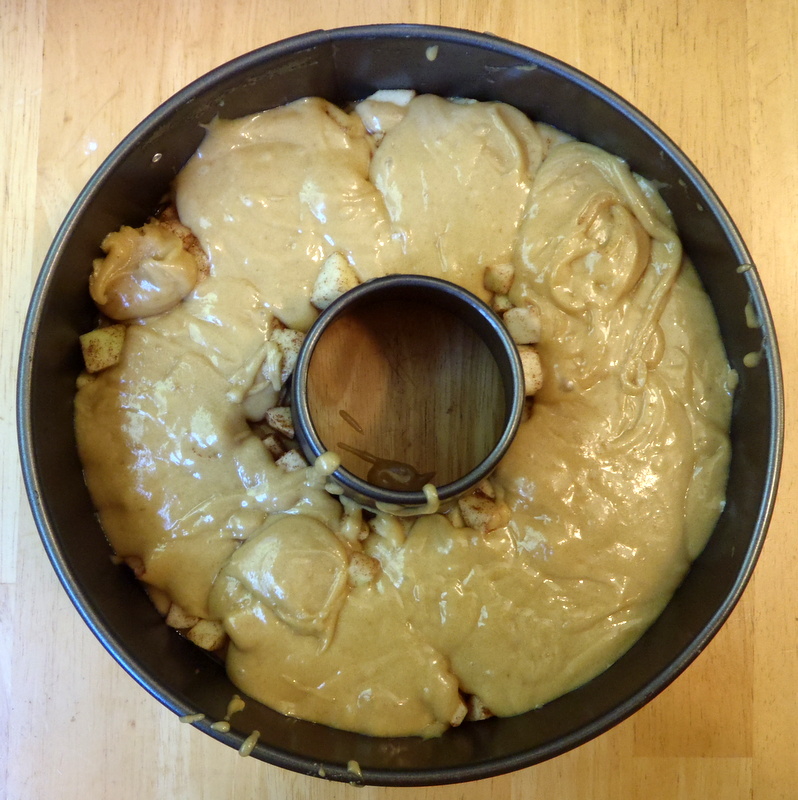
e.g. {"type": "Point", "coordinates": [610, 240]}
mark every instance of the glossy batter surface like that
{"type": "Point", "coordinates": [613, 484]}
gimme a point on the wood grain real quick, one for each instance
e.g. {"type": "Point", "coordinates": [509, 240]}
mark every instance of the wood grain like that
{"type": "Point", "coordinates": [416, 385]}
{"type": "Point", "coordinates": [721, 78]}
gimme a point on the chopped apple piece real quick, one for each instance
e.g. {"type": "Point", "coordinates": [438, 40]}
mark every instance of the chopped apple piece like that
{"type": "Point", "coordinates": [102, 348]}
{"type": "Point", "coordinates": [207, 634]}
{"type": "Point", "coordinates": [291, 461]}
{"type": "Point", "coordinates": [498, 278]}
{"type": "Point", "coordinates": [501, 303]}
{"type": "Point", "coordinates": [533, 371]}
{"type": "Point", "coordinates": [523, 324]}
{"type": "Point", "coordinates": [177, 618]}
{"type": "Point", "coordinates": [289, 341]}
{"type": "Point", "coordinates": [482, 513]}
{"type": "Point", "coordinates": [335, 277]}
{"type": "Point", "coordinates": [281, 419]}
{"type": "Point", "coordinates": [477, 710]}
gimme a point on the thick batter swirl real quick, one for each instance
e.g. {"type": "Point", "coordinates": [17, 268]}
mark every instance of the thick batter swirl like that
{"type": "Point", "coordinates": [385, 625]}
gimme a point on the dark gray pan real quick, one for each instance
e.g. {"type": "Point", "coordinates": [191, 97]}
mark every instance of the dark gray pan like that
{"type": "Point", "coordinates": [345, 65]}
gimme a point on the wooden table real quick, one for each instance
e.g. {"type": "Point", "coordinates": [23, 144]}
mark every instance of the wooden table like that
{"type": "Point", "coordinates": [720, 76]}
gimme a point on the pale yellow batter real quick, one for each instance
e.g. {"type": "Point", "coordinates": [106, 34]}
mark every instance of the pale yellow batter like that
{"type": "Point", "coordinates": [613, 484]}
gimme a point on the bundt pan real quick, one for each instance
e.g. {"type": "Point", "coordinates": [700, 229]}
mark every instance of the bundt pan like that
{"type": "Point", "coordinates": [344, 65]}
